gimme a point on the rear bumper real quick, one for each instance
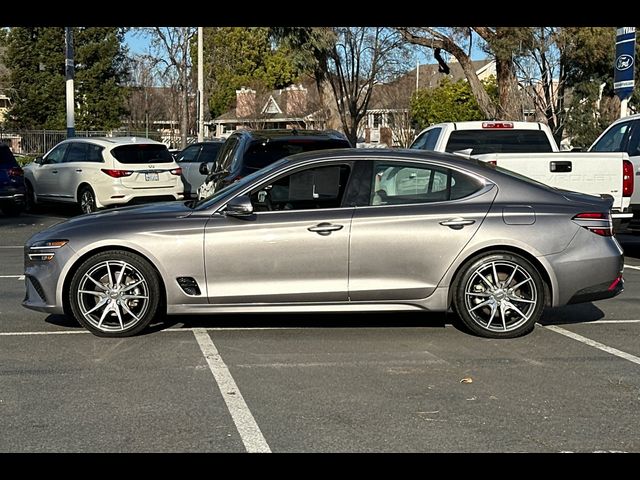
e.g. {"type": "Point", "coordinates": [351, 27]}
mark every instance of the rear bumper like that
{"type": "Point", "coordinates": [122, 195]}
{"type": "Point", "coordinates": [12, 195]}
{"type": "Point", "coordinates": [599, 292]}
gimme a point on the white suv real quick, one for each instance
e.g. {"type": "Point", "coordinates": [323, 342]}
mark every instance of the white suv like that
{"type": "Point", "coordinates": [100, 172]}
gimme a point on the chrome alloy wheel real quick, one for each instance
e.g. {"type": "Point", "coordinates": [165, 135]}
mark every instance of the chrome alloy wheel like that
{"type": "Point", "coordinates": [500, 296]}
{"type": "Point", "coordinates": [113, 296]}
{"type": "Point", "coordinates": [87, 201]}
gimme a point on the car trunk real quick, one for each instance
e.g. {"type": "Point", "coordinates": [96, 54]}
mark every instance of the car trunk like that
{"type": "Point", "coordinates": [151, 165]}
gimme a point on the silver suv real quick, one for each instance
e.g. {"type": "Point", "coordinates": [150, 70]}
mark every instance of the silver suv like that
{"type": "Point", "coordinates": [100, 172]}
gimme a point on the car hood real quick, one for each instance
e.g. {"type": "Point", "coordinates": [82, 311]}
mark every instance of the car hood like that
{"type": "Point", "coordinates": [114, 220]}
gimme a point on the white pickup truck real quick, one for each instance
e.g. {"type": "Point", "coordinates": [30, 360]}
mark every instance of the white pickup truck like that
{"type": "Point", "coordinates": [623, 135]}
{"type": "Point", "coordinates": [529, 148]}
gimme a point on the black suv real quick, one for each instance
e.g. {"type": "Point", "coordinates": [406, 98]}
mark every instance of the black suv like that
{"type": "Point", "coordinates": [12, 193]}
{"type": "Point", "coordinates": [246, 151]}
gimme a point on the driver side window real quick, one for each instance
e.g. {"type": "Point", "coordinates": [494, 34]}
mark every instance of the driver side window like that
{"type": "Point", "coordinates": [313, 188]}
{"type": "Point", "coordinates": [56, 155]}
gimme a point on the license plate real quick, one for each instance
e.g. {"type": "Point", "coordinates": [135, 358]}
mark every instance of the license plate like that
{"type": "Point", "coordinates": [151, 176]}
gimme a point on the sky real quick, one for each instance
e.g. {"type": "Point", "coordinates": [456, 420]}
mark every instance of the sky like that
{"type": "Point", "coordinates": [139, 44]}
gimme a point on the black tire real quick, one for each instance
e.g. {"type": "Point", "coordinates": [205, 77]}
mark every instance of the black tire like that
{"type": "Point", "coordinates": [12, 210]}
{"type": "Point", "coordinates": [87, 200]}
{"type": "Point", "coordinates": [125, 304]}
{"type": "Point", "coordinates": [494, 309]}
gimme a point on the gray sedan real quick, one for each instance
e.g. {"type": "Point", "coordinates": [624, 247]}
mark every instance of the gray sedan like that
{"type": "Point", "coordinates": [336, 230]}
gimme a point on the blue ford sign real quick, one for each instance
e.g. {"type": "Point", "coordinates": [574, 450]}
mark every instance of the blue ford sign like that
{"type": "Point", "coordinates": [623, 78]}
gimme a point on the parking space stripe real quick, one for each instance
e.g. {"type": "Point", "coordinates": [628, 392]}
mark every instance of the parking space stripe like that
{"type": "Point", "coordinates": [611, 321]}
{"type": "Point", "coordinates": [65, 332]}
{"type": "Point", "coordinates": [593, 343]}
{"type": "Point", "coordinates": [250, 433]}
{"type": "Point", "coordinates": [632, 267]}
{"type": "Point", "coordinates": [19, 277]}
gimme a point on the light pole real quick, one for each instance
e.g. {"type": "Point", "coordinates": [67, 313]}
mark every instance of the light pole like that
{"type": "Point", "coordinates": [69, 71]}
{"type": "Point", "coordinates": [200, 87]}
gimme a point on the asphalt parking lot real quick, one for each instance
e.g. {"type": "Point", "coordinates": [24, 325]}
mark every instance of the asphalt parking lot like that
{"type": "Point", "coordinates": [317, 383]}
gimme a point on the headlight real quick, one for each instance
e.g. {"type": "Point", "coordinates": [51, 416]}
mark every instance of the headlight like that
{"type": "Point", "coordinates": [44, 250]}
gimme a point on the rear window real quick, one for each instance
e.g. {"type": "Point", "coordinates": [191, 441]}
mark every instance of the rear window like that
{"type": "Point", "coordinates": [142, 153]}
{"type": "Point", "coordinates": [261, 153]}
{"type": "Point", "coordinates": [6, 157]}
{"type": "Point", "coordinates": [499, 141]}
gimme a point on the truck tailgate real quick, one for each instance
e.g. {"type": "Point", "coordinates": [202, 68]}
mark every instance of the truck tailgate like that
{"type": "Point", "coordinates": [594, 173]}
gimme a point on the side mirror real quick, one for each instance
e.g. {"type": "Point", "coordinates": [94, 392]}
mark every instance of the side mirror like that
{"type": "Point", "coordinates": [239, 207]}
{"type": "Point", "coordinates": [203, 169]}
{"type": "Point", "coordinates": [39, 160]}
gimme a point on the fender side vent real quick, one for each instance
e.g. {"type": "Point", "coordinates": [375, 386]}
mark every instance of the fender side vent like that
{"type": "Point", "coordinates": [189, 285]}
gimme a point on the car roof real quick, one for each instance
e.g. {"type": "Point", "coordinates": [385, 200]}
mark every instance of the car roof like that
{"type": "Point", "coordinates": [287, 134]}
{"type": "Point", "coordinates": [114, 141]}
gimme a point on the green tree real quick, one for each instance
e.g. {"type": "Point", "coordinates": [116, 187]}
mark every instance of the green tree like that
{"type": "Point", "coordinates": [35, 57]}
{"type": "Point", "coordinates": [239, 56]}
{"type": "Point", "coordinates": [449, 102]}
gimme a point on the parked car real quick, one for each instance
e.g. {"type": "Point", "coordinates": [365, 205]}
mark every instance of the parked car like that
{"type": "Point", "coordinates": [190, 160]}
{"type": "Point", "coordinates": [12, 192]}
{"type": "Point", "coordinates": [623, 135]}
{"type": "Point", "coordinates": [100, 172]}
{"type": "Point", "coordinates": [246, 151]}
{"type": "Point", "coordinates": [336, 230]}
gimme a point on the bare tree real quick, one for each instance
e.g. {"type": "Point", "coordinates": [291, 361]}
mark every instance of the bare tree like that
{"type": "Point", "coordinates": [170, 47]}
{"type": "Point", "coordinates": [499, 41]}
{"type": "Point", "coordinates": [145, 101]}
{"type": "Point", "coordinates": [361, 57]}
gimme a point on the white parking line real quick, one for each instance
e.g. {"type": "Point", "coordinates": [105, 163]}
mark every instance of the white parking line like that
{"type": "Point", "coordinates": [19, 277]}
{"type": "Point", "coordinates": [247, 427]}
{"type": "Point", "coordinates": [632, 267]}
{"type": "Point", "coordinates": [611, 321]}
{"type": "Point", "coordinates": [593, 343]}
{"type": "Point", "coordinates": [65, 332]}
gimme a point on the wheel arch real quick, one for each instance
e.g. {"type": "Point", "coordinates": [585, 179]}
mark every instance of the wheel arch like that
{"type": "Point", "coordinates": [542, 270]}
{"type": "Point", "coordinates": [80, 260]}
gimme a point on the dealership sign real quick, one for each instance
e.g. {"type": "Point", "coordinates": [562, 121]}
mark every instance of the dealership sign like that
{"type": "Point", "coordinates": [623, 72]}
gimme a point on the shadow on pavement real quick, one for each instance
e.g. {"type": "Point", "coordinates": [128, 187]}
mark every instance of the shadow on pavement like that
{"type": "Point", "coordinates": [569, 314]}
{"type": "Point", "coordinates": [62, 321]}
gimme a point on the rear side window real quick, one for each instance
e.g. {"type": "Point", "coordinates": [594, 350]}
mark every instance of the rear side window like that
{"type": "Point", "coordinates": [142, 153]}
{"type": "Point", "coordinates": [401, 184]}
{"type": "Point", "coordinates": [6, 157]}
{"type": "Point", "coordinates": [84, 152]}
{"type": "Point", "coordinates": [499, 141]}
{"type": "Point", "coordinates": [209, 152]}
{"type": "Point", "coordinates": [614, 139]}
{"type": "Point", "coordinates": [262, 153]}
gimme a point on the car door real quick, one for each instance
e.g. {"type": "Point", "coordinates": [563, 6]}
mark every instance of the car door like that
{"type": "Point", "coordinates": [294, 248]}
{"type": "Point", "coordinates": [417, 220]}
{"type": "Point", "coordinates": [188, 161]}
{"type": "Point", "coordinates": [47, 174]}
{"type": "Point", "coordinates": [81, 165]}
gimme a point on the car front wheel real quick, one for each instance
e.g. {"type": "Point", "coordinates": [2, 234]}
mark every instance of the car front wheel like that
{"type": "Point", "coordinates": [115, 294]}
{"type": "Point", "coordinates": [499, 295]}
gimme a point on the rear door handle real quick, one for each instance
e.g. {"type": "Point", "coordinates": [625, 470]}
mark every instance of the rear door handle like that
{"type": "Point", "coordinates": [54, 171]}
{"type": "Point", "coordinates": [457, 223]}
{"type": "Point", "coordinates": [78, 170]}
{"type": "Point", "coordinates": [325, 228]}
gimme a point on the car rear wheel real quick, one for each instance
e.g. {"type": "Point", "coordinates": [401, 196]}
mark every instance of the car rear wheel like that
{"type": "Point", "coordinates": [499, 295]}
{"type": "Point", "coordinates": [115, 294]}
{"type": "Point", "coordinates": [87, 200]}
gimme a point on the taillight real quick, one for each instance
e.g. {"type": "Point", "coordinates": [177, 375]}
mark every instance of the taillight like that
{"type": "Point", "coordinates": [176, 171]}
{"type": "Point", "coordinates": [117, 173]}
{"type": "Point", "coordinates": [627, 178]}
{"type": "Point", "coordinates": [492, 162]}
{"type": "Point", "coordinates": [597, 222]}
{"type": "Point", "coordinates": [497, 125]}
{"type": "Point", "coordinates": [16, 172]}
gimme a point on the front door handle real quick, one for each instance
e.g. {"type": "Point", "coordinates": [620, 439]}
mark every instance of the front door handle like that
{"type": "Point", "coordinates": [54, 171]}
{"type": "Point", "coordinates": [325, 228]}
{"type": "Point", "coordinates": [78, 170]}
{"type": "Point", "coordinates": [457, 223]}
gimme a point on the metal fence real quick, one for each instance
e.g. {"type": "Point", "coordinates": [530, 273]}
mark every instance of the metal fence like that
{"type": "Point", "coordinates": [38, 142]}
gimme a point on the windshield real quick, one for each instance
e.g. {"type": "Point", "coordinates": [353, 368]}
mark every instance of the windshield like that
{"type": "Point", "coordinates": [236, 186]}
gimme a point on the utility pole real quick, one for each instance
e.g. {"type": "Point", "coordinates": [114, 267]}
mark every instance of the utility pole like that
{"type": "Point", "coordinates": [69, 72]}
{"type": "Point", "coordinates": [200, 87]}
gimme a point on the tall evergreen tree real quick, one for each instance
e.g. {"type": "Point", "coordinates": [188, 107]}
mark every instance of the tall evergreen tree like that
{"type": "Point", "coordinates": [35, 57]}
